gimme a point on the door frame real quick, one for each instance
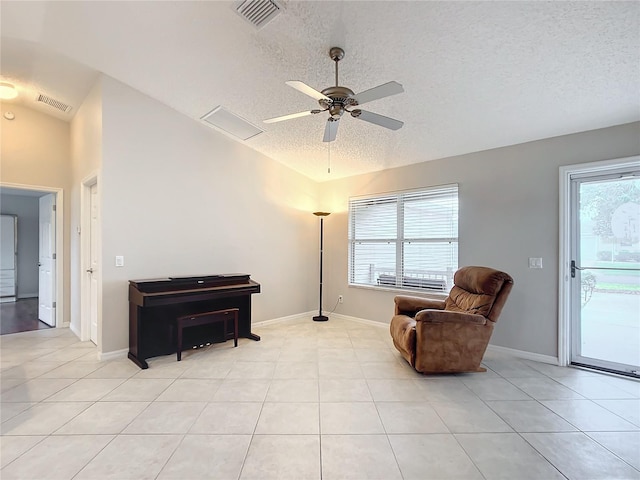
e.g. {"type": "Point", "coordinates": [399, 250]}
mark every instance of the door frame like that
{"type": "Point", "coordinates": [61, 267]}
{"type": "Point", "coordinates": [85, 259]}
{"type": "Point", "coordinates": [565, 246]}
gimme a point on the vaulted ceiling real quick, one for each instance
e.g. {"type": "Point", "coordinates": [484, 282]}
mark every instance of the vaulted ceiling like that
{"type": "Point", "coordinates": [476, 75]}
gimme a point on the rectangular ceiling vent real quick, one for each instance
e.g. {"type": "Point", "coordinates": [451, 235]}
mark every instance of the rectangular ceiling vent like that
{"type": "Point", "coordinates": [258, 12]}
{"type": "Point", "coordinates": [231, 123]}
{"type": "Point", "coordinates": [52, 102]}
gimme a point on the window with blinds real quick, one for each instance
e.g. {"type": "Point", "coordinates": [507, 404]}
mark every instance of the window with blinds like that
{"type": "Point", "coordinates": [406, 240]}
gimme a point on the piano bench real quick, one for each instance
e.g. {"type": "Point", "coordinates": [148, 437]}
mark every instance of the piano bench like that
{"type": "Point", "coordinates": [208, 318]}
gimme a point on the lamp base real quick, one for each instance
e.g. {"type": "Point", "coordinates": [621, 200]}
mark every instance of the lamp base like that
{"type": "Point", "coordinates": [320, 318]}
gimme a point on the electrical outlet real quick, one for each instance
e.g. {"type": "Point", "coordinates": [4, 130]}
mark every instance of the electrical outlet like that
{"type": "Point", "coordinates": [340, 299]}
{"type": "Point", "coordinates": [535, 262]}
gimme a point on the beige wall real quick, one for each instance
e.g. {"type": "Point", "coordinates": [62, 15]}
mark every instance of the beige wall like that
{"type": "Point", "coordinates": [508, 212]}
{"type": "Point", "coordinates": [181, 199]}
{"type": "Point", "coordinates": [35, 151]}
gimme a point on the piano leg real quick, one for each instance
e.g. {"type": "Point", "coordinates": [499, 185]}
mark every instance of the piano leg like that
{"type": "Point", "coordinates": [141, 363]}
{"type": "Point", "coordinates": [253, 336]}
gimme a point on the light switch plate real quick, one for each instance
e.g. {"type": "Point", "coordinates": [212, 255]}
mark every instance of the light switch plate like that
{"type": "Point", "coordinates": [535, 262]}
{"type": "Point", "coordinates": [119, 261]}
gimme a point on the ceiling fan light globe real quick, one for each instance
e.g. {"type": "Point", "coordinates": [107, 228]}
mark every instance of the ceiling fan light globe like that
{"type": "Point", "coordinates": [336, 111]}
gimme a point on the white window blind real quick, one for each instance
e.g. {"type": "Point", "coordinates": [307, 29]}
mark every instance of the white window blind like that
{"type": "Point", "coordinates": [406, 240]}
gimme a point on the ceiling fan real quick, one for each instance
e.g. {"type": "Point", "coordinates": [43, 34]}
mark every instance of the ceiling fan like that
{"type": "Point", "coordinates": [337, 100]}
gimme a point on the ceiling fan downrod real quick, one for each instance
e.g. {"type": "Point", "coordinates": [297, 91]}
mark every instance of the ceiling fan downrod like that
{"type": "Point", "coordinates": [338, 98]}
{"type": "Point", "coordinates": [336, 54]}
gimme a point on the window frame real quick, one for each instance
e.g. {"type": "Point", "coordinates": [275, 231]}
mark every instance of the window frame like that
{"type": "Point", "coordinates": [401, 198]}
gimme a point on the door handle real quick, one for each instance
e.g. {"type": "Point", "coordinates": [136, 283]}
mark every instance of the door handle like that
{"type": "Point", "coordinates": [574, 267]}
{"type": "Point", "coordinates": [89, 270]}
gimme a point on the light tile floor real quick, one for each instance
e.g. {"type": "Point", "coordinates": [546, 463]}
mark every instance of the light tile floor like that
{"type": "Point", "coordinates": [310, 401]}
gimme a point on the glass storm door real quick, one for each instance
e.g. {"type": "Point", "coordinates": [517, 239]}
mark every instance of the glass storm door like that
{"type": "Point", "coordinates": [605, 271]}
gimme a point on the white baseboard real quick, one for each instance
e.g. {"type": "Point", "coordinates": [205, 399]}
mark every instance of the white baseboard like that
{"type": "Point", "coordinates": [536, 357]}
{"type": "Point", "coordinates": [312, 313]}
{"type": "Point", "coordinates": [360, 320]}
{"type": "Point", "coordinates": [282, 319]}
{"type": "Point", "coordinates": [102, 356]}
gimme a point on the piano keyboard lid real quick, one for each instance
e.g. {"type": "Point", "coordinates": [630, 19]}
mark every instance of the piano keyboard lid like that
{"type": "Point", "coordinates": [189, 281]}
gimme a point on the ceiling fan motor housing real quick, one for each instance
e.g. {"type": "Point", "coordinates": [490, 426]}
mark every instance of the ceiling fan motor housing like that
{"type": "Point", "coordinates": [341, 97]}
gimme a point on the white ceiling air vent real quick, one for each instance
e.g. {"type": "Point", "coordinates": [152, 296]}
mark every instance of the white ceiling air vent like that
{"type": "Point", "coordinates": [52, 102]}
{"type": "Point", "coordinates": [231, 123]}
{"type": "Point", "coordinates": [258, 12]}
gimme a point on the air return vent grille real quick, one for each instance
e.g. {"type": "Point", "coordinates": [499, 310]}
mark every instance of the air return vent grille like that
{"type": "Point", "coordinates": [258, 12]}
{"type": "Point", "coordinates": [231, 123]}
{"type": "Point", "coordinates": [52, 102]}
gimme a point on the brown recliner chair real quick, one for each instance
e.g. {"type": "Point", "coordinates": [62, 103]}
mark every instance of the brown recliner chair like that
{"type": "Point", "coordinates": [451, 335]}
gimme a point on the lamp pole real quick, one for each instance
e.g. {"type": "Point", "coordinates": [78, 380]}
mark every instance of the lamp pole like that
{"type": "Point", "coordinates": [320, 317]}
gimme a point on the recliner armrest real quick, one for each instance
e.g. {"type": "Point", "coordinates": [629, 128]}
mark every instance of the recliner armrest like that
{"type": "Point", "coordinates": [444, 316]}
{"type": "Point", "coordinates": [408, 305]}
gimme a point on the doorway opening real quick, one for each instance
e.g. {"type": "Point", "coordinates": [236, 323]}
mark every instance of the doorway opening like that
{"type": "Point", "coordinates": [37, 276]}
{"type": "Point", "coordinates": [600, 266]}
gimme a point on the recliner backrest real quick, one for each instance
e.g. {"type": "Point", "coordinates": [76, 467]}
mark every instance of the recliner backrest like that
{"type": "Point", "coordinates": [479, 290]}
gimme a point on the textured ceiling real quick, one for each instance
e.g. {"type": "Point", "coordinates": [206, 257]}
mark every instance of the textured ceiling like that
{"type": "Point", "coordinates": [477, 75]}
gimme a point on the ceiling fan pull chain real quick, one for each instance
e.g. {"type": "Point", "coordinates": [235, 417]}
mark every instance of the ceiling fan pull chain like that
{"type": "Point", "coordinates": [329, 160]}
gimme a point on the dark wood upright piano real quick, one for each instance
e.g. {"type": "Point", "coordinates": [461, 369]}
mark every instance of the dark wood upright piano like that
{"type": "Point", "coordinates": [155, 304]}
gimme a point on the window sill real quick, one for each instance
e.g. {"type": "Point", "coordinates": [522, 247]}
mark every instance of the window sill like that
{"type": "Point", "coordinates": [403, 291]}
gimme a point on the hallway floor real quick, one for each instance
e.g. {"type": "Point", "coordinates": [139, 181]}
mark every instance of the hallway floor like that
{"type": "Point", "coordinates": [311, 400]}
{"type": "Point", "coordinates": [20, 316]}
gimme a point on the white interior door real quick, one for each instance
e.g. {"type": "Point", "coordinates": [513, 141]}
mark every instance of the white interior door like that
{"type": "Point", "coordinates": [47, 260]}
{"type": "Point", "coordinates": [92, 271]}
{"type": "Point", "coordinates": [605, 271]}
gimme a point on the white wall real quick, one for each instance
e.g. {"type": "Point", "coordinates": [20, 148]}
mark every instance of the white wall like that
{"type": "Point", "coordinates": [508, 212]}
{"type": "Point", "coordinates": [179, 198]}
{"type": "Point", "coordinates": [86, 160]}
{"type": "Point", "coordinates": [27, 210]}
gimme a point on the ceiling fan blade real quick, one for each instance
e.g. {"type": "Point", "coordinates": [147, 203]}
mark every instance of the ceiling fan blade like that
{"type": "Point", "coordinates": [376, 119]}
{"type": "Point", "coordinates": [290, 116]}
{"type": "Point", "coordinates": [376, 93]}
{"type": "Point", "coordinates": [307, 90]}
{"type": "Point", "coordinates": [330, 130]}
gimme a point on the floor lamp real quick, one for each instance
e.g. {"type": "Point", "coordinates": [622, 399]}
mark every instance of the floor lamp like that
{"type": "Point", "coordinates": [320, 317]}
